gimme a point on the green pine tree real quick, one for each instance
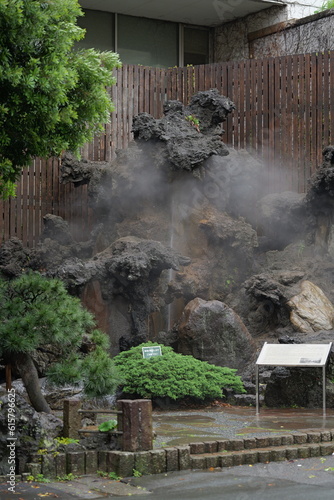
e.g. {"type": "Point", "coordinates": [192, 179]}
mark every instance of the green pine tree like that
{"type": "Point", "coordinates": [37, 312]}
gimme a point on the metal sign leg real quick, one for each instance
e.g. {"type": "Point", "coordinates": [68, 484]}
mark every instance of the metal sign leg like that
{"type": "Point", "coordinates": [257, 389]}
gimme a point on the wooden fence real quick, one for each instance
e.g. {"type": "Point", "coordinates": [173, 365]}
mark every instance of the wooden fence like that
{"type": "Point", "coordinates": [284, 114]}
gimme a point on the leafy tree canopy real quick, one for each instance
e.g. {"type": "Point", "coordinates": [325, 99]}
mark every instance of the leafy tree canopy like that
{"type": "Point", "coordinates": [52, 98]}
{"type": "Point", "coordinates": [37, 313]}
{"type": "Point", "coordinates": [173, 375]}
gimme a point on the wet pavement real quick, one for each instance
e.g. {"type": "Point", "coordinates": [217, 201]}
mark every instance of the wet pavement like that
{"type": "Point", "coordinates": [182, 427]}
{"type": "Point", "coordinates": [308, 479]}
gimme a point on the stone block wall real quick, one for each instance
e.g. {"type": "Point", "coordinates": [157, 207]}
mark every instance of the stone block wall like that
{"type": "Point", "coordinates": [303, 36]}
{"type": "Point", "coordinates": [231, 39]}
{"type": "Point", "coordinates": [197, 455]}
{"type": "Point", "coordinates": [270, 33]}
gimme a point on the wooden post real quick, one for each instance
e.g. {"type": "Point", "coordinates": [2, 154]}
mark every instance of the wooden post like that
{"type": "Point", "coordinates": [72, 419]}
{"type": "Point", "coordinates": [136, 424]}
{"type": "Point", "coordinates": [8, 377]}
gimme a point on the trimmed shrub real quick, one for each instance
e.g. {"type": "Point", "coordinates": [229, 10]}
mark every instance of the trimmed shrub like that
{"type": "Point", "coordinates": [173, 375]}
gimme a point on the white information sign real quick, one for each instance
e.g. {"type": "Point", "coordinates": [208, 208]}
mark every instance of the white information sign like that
{"type": "Point", "coordinates": [296, 355]}
{"type": "Point", "coordinates": [306, 355]}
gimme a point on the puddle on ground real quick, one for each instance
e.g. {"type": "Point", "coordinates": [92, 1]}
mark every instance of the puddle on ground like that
{"type": "Point", "coordinates": [179, 429]}
{"type": "Point", "coordinates": [183, 419]}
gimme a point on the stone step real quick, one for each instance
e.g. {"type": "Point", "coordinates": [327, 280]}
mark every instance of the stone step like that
{"type": "Point", "coordinates": [199, 455]}
{"type": "Point", "coordinates": [260, 455]}
{"type": "Point", "coordinates": [308, 436]}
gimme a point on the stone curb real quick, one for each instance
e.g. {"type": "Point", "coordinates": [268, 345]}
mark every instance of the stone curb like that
{"type": "Point", "coordinates": [199, 455]}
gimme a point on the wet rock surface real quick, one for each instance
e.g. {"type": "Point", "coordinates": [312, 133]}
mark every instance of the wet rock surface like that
{"type": "Point", "coordinates": [32, 429]}
{"type": "Point", "coordinates": [311, 311]}
{"type": "Point", "coordinates": [213, 332]}
{"type": "Point", "coordinates": [179, 217]}
{"type": "Point", "coordinates": [191, 134]}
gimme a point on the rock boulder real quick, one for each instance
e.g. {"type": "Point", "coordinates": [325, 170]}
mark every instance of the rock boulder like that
{"type": "Point", "coordinates": [311, 310]}
{"type": "Point", "coordinates": [211, 331]}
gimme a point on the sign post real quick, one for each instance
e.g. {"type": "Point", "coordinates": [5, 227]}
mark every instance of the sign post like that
{"type": "Point", "coordinates": [294, 355]}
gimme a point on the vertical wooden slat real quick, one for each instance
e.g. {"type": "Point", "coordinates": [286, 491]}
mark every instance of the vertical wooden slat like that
{"type": "Point", "coordinates": [119, 117]}
{"type": "Point", "coordinates": [259, 108]}
{"type": "Point", "coordinates": [44, 198]}
{"type": "Point", "coordinates": [152, 90]}
{"type": "Point", "coordinates": [24, 180]}
{"type": "Point", "coordinates": [191, 82]}
{"type": "Point", "coordinates": [294, 168]}
{"type": "Point", "coordinates": [125, 117]}
{"type": "Point", "coordinates": [314, 114]}
{"type": "Point", "coordinates": [208, 77]}
{"type": "Point", "coordinates": [265, 122]}
{"type": "Point", "coordinates": [12, 216]}
{"type": "Point", "coordinates": [298, 69]}
{"type": "Point", "coordinates": [179, 85]}
{"type": "Point", "coordinates": [307, 100]}
{"type": "Point", "coordinates": [320, 89]}
{"type": "Point", "coordinates": [19, 215]}
{"type": "Point", "coordinates": [241, 109]}
{"type": "Point", "coordinates": [130, 102]}
{"type": "Point", "coordinates": [228, 125]}
{"type": "Point", "coordinates": [277, 123]}
{"type": "Point", "coordinates": [39, 165]}
{"type": "Point", "coordinates": [31, 204]}
{"type": "Point", "coordinates": [253, 92]}
{"type": "Point", "coordinates": [201, 80]}
{"type": "Point", "coordinates": [235, 117]}
{"type": "Point", "coordinates": [270, 160]}
{"type": "Point", "coordinates": [163, 90]}
{"type": "Point", "coordinates": [248, 125]}
{"type": "Point", "coordinates": [284, 125]}
{"type": "Point", "coordinates": [326, 99]}
{"type": "Point", "coordinates": [287, 183]}
{"type": "Point", "coordinates": [331, 91]}
{"type": "Point", "coordinates": [6, 229]}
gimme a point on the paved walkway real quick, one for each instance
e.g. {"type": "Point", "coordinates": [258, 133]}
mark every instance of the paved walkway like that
{"type": "Point", "coordinates": [308, 479]}
{"type": "Point", "coordinates": [182, 427]}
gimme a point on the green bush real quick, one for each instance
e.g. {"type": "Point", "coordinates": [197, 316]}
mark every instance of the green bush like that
{"type": "Point", "coordinates": [173, 375]}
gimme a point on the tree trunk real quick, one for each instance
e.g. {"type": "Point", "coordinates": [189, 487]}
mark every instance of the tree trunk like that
{"type": "Point", "coordinates": [28, 372]}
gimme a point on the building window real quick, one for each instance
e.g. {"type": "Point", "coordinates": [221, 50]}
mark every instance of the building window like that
{"type": "Point", "coordinates": [100, 33]}
{"type": "Point", "coordinates": [196, 46]}
{"type": "Point", "coordinates": [147, 41]}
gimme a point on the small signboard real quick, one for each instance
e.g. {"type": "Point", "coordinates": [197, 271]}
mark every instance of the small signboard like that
{"type": "Point", "coordinates": [148, 352]}
{"type": "Point", "coordinates": [297, 355]}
